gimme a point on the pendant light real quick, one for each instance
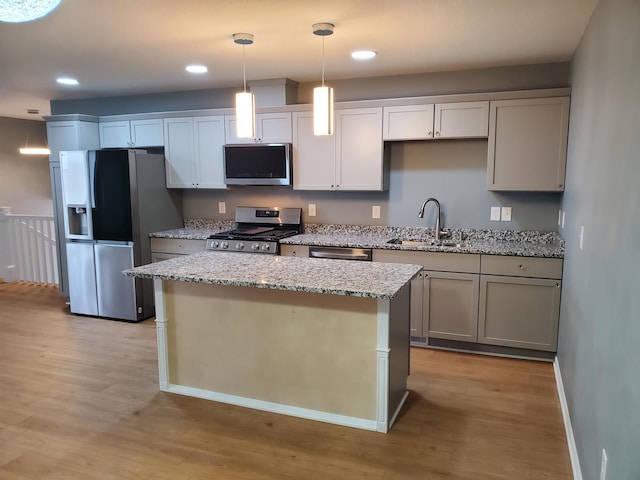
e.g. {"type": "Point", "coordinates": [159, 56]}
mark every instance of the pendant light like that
{"type": "Point", "coordinates": [323, 96]}
{"type": "Point", "coordinates": [245, 103]}
{"type": "Point", "coordinates": [17, 11]}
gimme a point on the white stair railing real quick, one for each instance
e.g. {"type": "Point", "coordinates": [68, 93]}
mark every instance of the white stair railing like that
{"type": "Point", "coordinates": [29, 247]}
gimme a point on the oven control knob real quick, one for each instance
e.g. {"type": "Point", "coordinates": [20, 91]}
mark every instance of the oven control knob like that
{"type": "Point", "coordinates": [224, 245]}
{"type": "Point", "coordinates": [265, 247]}
{"type": "Point", "coordinates": [255, 246]}
{"type": "Point", "coordinates": [239, 246]}
{"type": "Point", "coordinates": [214, 244]}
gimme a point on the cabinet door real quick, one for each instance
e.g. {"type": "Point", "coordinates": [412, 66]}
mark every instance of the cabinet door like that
{"type": "Point", "coordinates": [313, 156]}
{"type": "Point", "coordinates": [519, 312]}
{"type": "Point", "coordinates": [147, 133]}
{"type": "Point", "coordinates": [178, 151]}
{"type": "Point", "coordinates": [270, 128]}
{"type": "Point", "coordinates": [450, 305]}
{"type": "Point", "coordinates": [209, 161]}
{"type": "Point", "coordinates": [359, 149]}
{"type": "Point", "coordinates": [115, 134]}
{"type": "Point", "coordinates": [274, 127]}
{"type": "Point", "coordinates": [408, 122]}
{"type": "Point", "coordinates": [416, 307]}
{"type": "Point", "coordinates": [461, 120]}
{"type": "Point", "coordinates": [527, 148]}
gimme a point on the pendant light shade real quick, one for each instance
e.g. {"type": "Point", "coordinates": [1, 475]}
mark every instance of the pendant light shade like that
{"type": "Point", "coordinates": [323, 96]}
{"type": "Point", "coordinates": [17, 11]}
{"type": "Point", "coordinates": [245, 115]}
{"type": "Point", "coordinates": [245, 102]}
{"type": "Point", "coordinates": [323, 111]}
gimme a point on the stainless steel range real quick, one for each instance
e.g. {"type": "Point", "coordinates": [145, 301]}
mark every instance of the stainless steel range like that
{"type": "Point", "coordinates": [258, 230]}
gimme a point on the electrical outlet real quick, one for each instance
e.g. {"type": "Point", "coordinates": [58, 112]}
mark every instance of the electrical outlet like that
{"type": "Point", "coordinates": [581, 237]}
{"type": "Point", "coordinates": [375, 211]}
{"type": "Point", "coordinates": [312, 209]}
{"type": "Point", "coordinates": [603, 465]}
{"type": "Point", "coordinates": [222, 207]}
{"type": "Point", "coordinates": [559, 217]}
{"type": "Point", "coordinates": [563, 219]}
{"type": "Point", "coordinates": [506, 214]}
{"type": "Point", "coordinates": [495, 214]}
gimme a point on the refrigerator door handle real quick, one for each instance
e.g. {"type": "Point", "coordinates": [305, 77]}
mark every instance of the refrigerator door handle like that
{"type": "Point", "coordinates": [92, 177]}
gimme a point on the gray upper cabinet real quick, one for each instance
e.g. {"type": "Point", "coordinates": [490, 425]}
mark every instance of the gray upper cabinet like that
{"type": "Point", "coordinates": [527, 147]}
{"type": "Point", "coordinates": [436, 121]}
{"type": "Point", "coordinates": [131, 133]}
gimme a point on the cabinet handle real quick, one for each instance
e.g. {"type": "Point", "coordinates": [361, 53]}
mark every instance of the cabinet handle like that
{"type": "Point", "coordinates": [557, 285]}
{"type": "Point", "coordinates": [521, 267]}
{"type": "Point", "coordinates": [430, 134]}
{"type": "Point", "coordinates": [437, 134]}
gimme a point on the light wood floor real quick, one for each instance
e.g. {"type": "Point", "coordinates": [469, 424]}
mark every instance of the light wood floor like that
{"type": "Point", "coordinates": [79, 400]}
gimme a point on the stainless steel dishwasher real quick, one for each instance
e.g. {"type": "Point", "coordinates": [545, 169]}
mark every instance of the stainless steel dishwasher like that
{"type": "Point", "coordinates": [341, 253]}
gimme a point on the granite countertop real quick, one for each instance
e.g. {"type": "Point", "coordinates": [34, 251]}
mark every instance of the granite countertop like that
{"type": "Point", "coordinates": [518, 248]}
{"type": "Point", "coordinates": [196, 229]}
{"type": "Point", "coordinates": [336, 277]}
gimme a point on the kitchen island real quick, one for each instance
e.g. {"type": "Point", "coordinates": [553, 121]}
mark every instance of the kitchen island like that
{"type": "Point", "coordinates": [326, 340]}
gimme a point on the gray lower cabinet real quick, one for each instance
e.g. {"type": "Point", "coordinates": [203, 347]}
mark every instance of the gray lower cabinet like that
{"type": "Point", "coordinates": [450, 305]}
{"type": "Point", "coordinates": [519, 312]}
{"type": "Point", "coordinates": [520, 302]}
{"type": "Point", "coordinates": [166, 248]}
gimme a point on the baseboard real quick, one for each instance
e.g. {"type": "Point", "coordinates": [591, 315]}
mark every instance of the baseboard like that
{"type": "Point", "coordinates": [571, 441]}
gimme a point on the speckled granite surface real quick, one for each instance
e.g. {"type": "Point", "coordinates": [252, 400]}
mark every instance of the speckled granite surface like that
{"type": "Point", "coordinates": [487, 242]}
{"type": "Point", "coordinates": [337, 277]}
{"type": "Point", "coordinates": [196, 229]}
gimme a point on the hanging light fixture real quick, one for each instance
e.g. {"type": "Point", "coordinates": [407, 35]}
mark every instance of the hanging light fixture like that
{"type": "Point", "coordinates": [245, 102]}
{"type": "Point", "coordinates": [16, 11]}
{"type": "Point", "coordinates": [323, 96]}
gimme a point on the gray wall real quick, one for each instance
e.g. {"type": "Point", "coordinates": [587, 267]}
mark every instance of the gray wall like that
{"type": "Point", "coordinates": [24, 179]}
{"type": "Point", "coordinates": [452, 171]}
{"type": "Point", "coordinates": [600, 314]}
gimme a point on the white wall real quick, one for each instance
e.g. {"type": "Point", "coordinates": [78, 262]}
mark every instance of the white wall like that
{"type": "Point", "coordinates": [24, 179]}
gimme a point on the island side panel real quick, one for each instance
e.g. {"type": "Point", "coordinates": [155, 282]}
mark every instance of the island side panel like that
{"type": "Point", "coordinates": [301, 349]}
{"type": "Point", "coordinates": [399, 332]}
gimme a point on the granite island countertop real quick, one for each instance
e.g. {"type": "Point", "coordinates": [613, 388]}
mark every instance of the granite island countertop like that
{"type": "Point", "coordinates": [337, 277]}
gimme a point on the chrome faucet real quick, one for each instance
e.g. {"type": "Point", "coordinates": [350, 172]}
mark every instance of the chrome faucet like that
{"type": "Point", "coordinates": [421, 215]}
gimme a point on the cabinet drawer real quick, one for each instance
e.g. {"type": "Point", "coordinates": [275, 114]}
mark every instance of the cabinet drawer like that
{"type": "Point", "coordinates": [521, 266]}
{"type": "Point", "coordinates": [294, 250]}
{"type": "Point", "coordinates": [438, 261]}
{"type": "Point", "coordinates": [179, 246]}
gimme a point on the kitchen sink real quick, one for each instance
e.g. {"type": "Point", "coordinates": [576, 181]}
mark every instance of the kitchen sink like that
{"type": "Point", "coordinates": [428, 243]}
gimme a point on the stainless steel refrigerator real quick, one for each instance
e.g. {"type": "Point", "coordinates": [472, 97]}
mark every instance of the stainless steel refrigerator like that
{"type": "Point", "coordinates": [112, 200]}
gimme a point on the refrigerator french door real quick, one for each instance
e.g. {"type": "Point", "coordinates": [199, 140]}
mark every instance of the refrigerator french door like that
{"type": "Point", "coordinates": [112, 199]}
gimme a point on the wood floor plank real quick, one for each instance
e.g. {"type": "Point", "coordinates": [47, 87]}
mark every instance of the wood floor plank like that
{"type": "Point", "coordinates": [79, 399]}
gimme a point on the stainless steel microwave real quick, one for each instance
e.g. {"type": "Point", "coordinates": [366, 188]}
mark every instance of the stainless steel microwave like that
{"type": "Point", "coordinates": [257, 164]}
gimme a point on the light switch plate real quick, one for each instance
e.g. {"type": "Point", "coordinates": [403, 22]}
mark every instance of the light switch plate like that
{"type": "Point", "coordinates": [375, 211]}
{"type": "Point", "coordinates": [312, 209]}
{"type": "Point", "coordinates": [506, 214]}
{"type": "Point", "coordinates": [581, 236]}
{"type": "Point", "coordinates": [559, 217]}
{"type": "Point", "coordinates": [495, 214]}
{"type": "Point", "coordinates": [563, 219]}
{"type": "Point", "coordinates": [222, 207]}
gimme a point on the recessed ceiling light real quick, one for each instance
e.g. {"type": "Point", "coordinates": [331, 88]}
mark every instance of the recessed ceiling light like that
{"type": "Point", "coordinates": [196, 69]}
{"type": "Point", "coordinates": [67, 81]}
{"type": "Point", "coordinates": [363, 54]}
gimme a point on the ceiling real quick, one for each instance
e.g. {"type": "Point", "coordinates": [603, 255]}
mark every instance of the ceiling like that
{"type": "Point", "coordinates": [122, 47]}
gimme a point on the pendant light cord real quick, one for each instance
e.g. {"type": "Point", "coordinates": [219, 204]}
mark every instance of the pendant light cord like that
{"type": "Point", "coordinates": [323, 60]}
{"type": "Point", "coordinates": [244, 71]}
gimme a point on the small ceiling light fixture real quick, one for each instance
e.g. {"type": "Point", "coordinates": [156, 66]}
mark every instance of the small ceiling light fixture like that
{"type": "Point", "coordinates": [323, 96]}
{"type": "Point", "coordinates": [363, 54]}
{"type": "Point", "coordinates": [67, 81]}
{"type": "Point", "coordinates": [17, 11]}
{"type": "Point", "coordinates": [245, 102]}
{"type": "Point", "coordinates": [196, 69]}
